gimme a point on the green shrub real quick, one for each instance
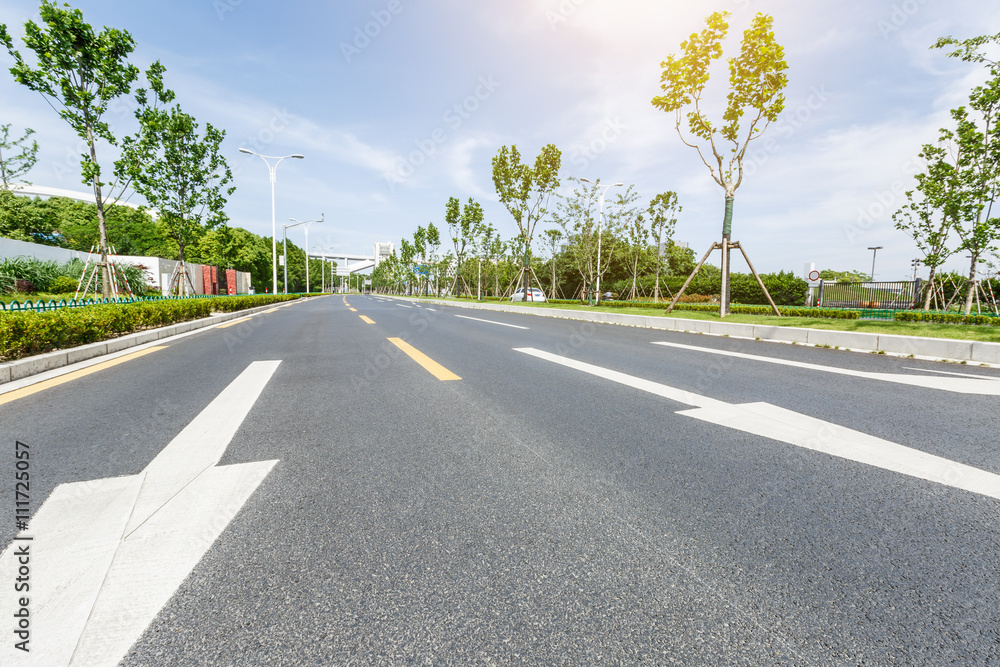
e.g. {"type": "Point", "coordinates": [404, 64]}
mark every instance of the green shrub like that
{"type": "Point", "coordinates": [62, 285]}
{"type": "Point", "coordinates": [945, 318]}
{"type": "Point", "coordinates": [26, 333]}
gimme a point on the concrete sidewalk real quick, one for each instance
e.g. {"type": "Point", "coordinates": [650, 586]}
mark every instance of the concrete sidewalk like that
{"type": "Point", "coordinates": [934, 349]}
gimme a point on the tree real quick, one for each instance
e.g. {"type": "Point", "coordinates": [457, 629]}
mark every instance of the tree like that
{"type": "Point", "coordinates": [16, 157]}
{"type": "Point", "coordinates": [628, 218]}
{"type": "Point", "coordinates": [525, 192]}
{"type": "Point", "coordinates": [756, 78]}
{"type": "Point", "coordinates": [179, 171]}
{"type": "Point", "coordinates": [577, 215]}
{"type": "Point", "coordinates": [930, 217]}
{"type": "Point", "coordinates": [662, 211]}
{"type": "Point", "coordinates": [554, 238]}
{"type": "Point", "coordinates": [464, 226]}
{"type": "Point", "coordinates": [977, 137]}
{"type": "Point", "coordinates": [79, 72]}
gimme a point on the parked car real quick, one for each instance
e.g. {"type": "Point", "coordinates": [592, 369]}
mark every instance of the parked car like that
{"type": "Point", "coordinates": [535, 295]}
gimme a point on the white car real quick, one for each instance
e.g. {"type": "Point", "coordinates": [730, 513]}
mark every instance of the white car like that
{"type": "Point", "coordinates": [535, 295]}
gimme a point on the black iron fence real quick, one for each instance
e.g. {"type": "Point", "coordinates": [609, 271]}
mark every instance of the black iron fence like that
{"type": "Point", "coordinates": [902, 295]}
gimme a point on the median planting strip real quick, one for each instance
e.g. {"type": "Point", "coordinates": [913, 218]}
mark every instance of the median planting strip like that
{"type": "Point", "coordinates": [918, 347]}
{"type": "Point", "coordinates": [26, 367]}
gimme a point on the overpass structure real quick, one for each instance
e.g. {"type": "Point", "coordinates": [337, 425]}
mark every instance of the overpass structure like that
{"type": "Point", "coordinates": [88, 197]}
{"type": "Point", "coordinates": [361, 262]}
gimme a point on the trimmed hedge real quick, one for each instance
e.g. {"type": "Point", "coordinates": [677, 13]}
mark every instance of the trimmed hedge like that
{"type": "Point", "coordinates": [946, 318]}
{"type": "Point", "coordinates": [27, 333]}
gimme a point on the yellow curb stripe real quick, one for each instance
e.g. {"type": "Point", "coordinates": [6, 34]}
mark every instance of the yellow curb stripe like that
{"type": "Point", "coordinates": [367, 319]}
{"type": "Point", "coordinates": [232, 323]}
{"type": "Point", "coordinates": [433, 367]}
{"type": "Point", "coordinates": [75, 375]}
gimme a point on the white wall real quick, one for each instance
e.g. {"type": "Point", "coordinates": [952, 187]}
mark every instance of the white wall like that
{"type": "Point", "coordinates": [156, 267]}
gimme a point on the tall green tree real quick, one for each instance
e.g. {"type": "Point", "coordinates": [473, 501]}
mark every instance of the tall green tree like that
{"type": "Point", "coordinates": [756, 76]}
{"type": "Point", "coordinates": [577, 214]}
{"type": "Point", "coordinates": [79, 72]}
{"type": "Point", "coordinates": [179, 170]}
{"type": "Point", "coordinates": [525, 192]}
{"type": "Point", "coordinates": [932, 209]}
{"type": "Point", "coordinates": [662, 212]}
{"type": "Point", "coordinates": [463, 224]}
{"type": "Point", "coordinates": [977, 137]}
{"type": "Point", "coordinates": [554, 237]}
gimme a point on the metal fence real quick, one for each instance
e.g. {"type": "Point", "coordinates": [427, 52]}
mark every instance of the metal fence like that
{"type": "Point", "coordinates": [41, 305]}
{"type": "Point", "coordinates": [902, 295]}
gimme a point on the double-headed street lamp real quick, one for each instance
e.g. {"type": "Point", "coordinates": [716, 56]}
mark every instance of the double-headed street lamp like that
{"type": "Point", "coordinates": [271, 168]}
{"type": "Point", "coordinates": [599, 220]}
{"type": "Point", "coordinates": [284, 245]}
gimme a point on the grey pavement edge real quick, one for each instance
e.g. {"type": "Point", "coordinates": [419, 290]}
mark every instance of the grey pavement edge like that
{"type": "Point", "coordinates": [18, 369]}
{"type": "Point", "coordinates": [933, 349]}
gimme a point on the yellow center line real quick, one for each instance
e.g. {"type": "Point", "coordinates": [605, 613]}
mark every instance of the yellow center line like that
{"type": "Point", "coordinates": [231, 323]}
{"type": "Point", "coordinates": [367, 319]}
{"type": "Point", "coordinates": [353, 310]}
{"type": "Point", "coordinates": [74, 375]}
{"type": "Point", "coordinates": [433, 367]}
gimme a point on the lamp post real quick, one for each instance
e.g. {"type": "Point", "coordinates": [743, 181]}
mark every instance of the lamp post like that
{"type": "Point", "coordinates": [322, 268]}
{"type": "Point", "coordinates": [599, 220]}
{"type": "Point", "coordinates": [272, 168]}
{"type": "Point", "coordinates": [874, 250]}
{"type": "Point", "coordinates": [284, 245]}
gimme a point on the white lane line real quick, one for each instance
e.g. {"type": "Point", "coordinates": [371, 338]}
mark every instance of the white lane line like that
{"type": "Point", "coordinates": [433, 310]}
{"type": "Point", "coordinates": [787, 426]}
{"type": "Point", "coordinates": [984, 386]}
{"type": "Point", "coordinates": [502, 324]}
{"type": "Point", "coordinates": [107, 555]}
{"type": "Point", "coordinates": [402, 305]}
{"type": "Point", "coordinates": [961, 375]}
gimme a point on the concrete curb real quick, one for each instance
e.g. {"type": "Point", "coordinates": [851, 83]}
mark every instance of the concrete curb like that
{"type": "Point", "coordinates": [936, 349]}
{"type": "Point", "coordinates": [22, 368]}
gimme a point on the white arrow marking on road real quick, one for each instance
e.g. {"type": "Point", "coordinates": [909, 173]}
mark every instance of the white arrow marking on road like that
{"type": "Point", "coordinates": [107, 555]}
{"type": "Point", "coordinates": [985, 386]}
{"type": "Point", "coordinates": [803, 431]}
{"type": "Point", "coordinates": [503, 324]}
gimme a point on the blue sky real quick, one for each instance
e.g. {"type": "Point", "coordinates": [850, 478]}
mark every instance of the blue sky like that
{"type": "Point", "coordinates": [398, 105]}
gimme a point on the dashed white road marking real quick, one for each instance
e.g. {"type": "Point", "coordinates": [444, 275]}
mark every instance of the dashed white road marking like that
{"type": "Point", "coordinates": [985, 386]}
{"type": "Point", "coordinates": [502, 324]}
{"type": "Point", "coordinates": [107, 555]}
{"type": "Point", "coordinates": [803, 431]}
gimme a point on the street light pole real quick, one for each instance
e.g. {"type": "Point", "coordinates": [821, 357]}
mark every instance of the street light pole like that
{"type": "Point", "coordinates": [874, 250]}
{"type": "Point", "coordinates": [600, 219]}
{"type": "Point", "coordinates": [284, 232]}
{"type": "Point", "coordinates": [272, 169]}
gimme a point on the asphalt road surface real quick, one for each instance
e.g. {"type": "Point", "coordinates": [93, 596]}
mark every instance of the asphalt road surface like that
{"type": "Point", "coordinates": [367, 481]}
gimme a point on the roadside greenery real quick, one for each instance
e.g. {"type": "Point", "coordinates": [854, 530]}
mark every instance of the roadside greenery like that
{"type": "Point", "coordinates": [24, 334]}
